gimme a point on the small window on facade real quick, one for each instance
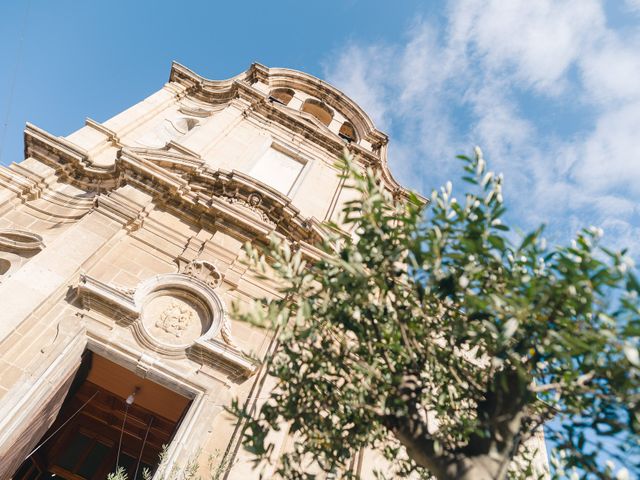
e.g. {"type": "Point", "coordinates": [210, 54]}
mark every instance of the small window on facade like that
{"type": "Point", "coordinates": [318, 110]}
{"type": "Point", "coordinates": [347, 132]}
{"type": "Point", "coordinates": [281, 95]}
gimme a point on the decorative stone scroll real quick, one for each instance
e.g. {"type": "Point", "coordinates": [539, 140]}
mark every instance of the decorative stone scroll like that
{"type": "Point", "coordinates": [204, 271]}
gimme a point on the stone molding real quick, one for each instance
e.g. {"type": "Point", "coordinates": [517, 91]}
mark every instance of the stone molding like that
{"type": "Point", "coordinates": [69, 161]}
{"type": "Point", "coordinates": [213, 345]}
{"type": "Point", "coordinates": [222, 195]}
{"type": "Point", "coordinates": [20, 240]}
{"type": "Point", "coordinates": [110, 134]}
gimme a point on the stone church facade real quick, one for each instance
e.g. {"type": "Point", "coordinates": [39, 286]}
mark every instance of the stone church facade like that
{"type": "Point", "coordinates": [121, 253]}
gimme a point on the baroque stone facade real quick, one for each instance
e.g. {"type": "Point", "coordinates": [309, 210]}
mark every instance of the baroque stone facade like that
{"type": "Point", "coordinates": [121, 250]}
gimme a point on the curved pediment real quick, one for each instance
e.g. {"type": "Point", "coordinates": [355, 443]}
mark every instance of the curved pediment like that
{"type": "Point", "coordinates": [237, 197]}
{"type": "Point", "coordinates": [283, 78]}
{"type": "Point", "coordinates": [334, 98]}
{"type": "Point", "coordinates": [345, 122]}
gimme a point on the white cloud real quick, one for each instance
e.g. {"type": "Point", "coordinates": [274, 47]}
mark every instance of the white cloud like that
{"type": "Point", "coordinates": [608, 160]}
{"type": "Point", "coordinates": [357, 72]}
{"type": "Point", "coordinates": [611, 70]}
{"type": "Point", "coordinates": [633, 4]}
{"type": "Point", "coordinates": [538, 40]}
{"type": "Point", "coordinates": [473, 81]}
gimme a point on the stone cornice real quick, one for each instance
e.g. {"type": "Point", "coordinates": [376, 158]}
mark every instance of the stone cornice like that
{"type": "Point", "coordinates": [68, 160]}
{"type": "Point", "coordinates": [178, 178]}
{"type": "Point", "coordinates": [110, 134]}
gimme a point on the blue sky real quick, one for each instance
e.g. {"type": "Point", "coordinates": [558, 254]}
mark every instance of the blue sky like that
{"type": "Point", "coordinates": [548, 89]}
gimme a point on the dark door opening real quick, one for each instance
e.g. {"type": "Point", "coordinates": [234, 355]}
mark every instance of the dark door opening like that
{"type": "Point", "coordinates": [110, 417]}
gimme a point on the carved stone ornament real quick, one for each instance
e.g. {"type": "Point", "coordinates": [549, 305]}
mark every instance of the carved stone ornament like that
{"type": "Point", "coordinates": [204, 271]}
{"type": "Point", "coordinates": [251, 204]}
{"type": "Point", "coordinates": [171, 314]}
{"type": "Point", "coordinates": [176, 319]}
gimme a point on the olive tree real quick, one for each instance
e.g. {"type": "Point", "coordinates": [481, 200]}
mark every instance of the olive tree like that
{"type": "Point", "coordinates": [434, 333]}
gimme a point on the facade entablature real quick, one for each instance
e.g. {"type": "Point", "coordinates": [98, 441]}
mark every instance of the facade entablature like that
{"type": "Point", "coordinates": [222, 196]}
{"type": "Point", "coordinates": [178, 179]}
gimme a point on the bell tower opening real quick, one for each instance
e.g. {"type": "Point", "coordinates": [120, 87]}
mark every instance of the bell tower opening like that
{"type": "Point", "coordinates": [110, 417]}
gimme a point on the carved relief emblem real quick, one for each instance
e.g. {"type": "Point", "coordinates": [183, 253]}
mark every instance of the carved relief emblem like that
{"type": "Point", "coordinates": [175, 319]}
{"type": "Point", "coordinates": [251, 204]}
{"type": "Point", "coordinates": [254, 199]}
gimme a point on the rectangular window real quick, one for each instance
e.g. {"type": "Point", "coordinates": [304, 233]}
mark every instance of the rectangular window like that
{"type": "Point", "coordinates": [277, 169]}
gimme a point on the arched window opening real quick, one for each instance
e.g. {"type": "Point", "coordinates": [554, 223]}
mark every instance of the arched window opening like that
{"type": "Point", "coordinates": [318, 110]}
{"type": "Point", "coordinates": [281, 95]}
{"type": "Point", "coordinates": [348, 133]}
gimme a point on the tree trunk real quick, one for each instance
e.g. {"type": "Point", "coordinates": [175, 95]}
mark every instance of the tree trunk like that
{"type": "Point", "coordinates": [483, 467]}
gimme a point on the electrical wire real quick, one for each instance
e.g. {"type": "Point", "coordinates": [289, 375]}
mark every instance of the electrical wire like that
{"type": "Point", "coordinates": [12, 86]}
{"type": "Point", "coordinates": [124, 420]}
{"type": "Point", "coordinates": [60, 427]}
{"type": "Point", "coordinates": [144, 442]}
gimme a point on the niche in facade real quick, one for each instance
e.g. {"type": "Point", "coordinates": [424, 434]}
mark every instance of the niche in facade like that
{"type": "Point", "coordinates": [20, 240]}
{"type": "Point", "coordinates": [16, 248]}
{"type": "Point", "coordinates": [5, 265]}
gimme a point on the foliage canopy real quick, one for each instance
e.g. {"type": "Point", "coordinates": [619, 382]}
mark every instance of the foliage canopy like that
{"type": "Point", "coordinates": [442, 339]}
